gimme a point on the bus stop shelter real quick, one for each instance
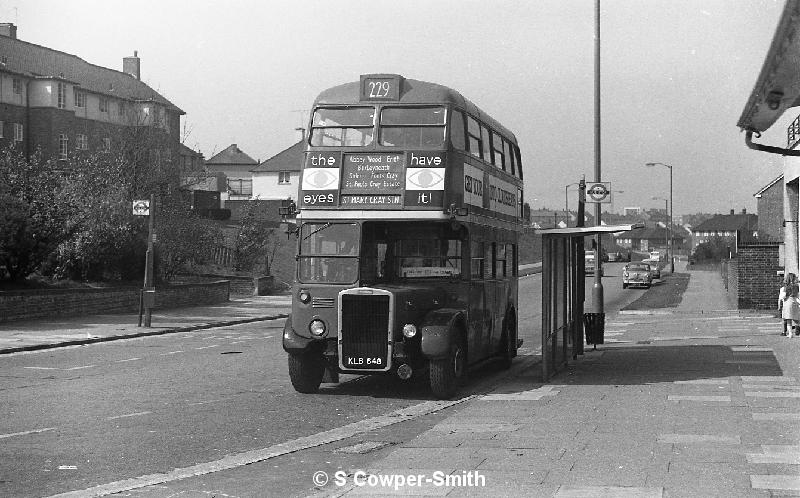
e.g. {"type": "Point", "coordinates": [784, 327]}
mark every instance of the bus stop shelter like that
{"type": "Point", "coordinates": [563, 293]}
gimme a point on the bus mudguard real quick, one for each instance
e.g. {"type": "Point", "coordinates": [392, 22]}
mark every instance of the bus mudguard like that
{"type": "Point", "coordinates": [439, 331]}
{"type": "Point", "coordinates": [293, 343]}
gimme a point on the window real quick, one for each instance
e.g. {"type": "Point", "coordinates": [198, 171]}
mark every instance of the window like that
{"type": "Point", "coordinates": [487, 152]}
{"type": "Point", "coordinates": [497, 149]}
{"type": "Point", "coordinates": [474, 136]}
{"type": "Point", "coordinates": [240, 187]}
{"type": "Point", "coordinates": [63, 144]}
{"type": "Point", "coordinates": [427, 258]}
{"type": "Point", "coordinates": [328, 253]}
{"type": "Point", "coordinates": [284, 177]}
{"type": "Point", "coordinates": [81, 143]}
{"type": "Point", "coordinates": [343, 126]}
{"type": "Point", "coordinates": [457, 132]}
{"type": "Point", "coordinates": [121, 108]}
{"type": "Point", "coordinates": [80, 97]}
{"type": "Point", "coordinates": [18, 132]}
{"type": "Point", "coordinates": [477, 260]}
{"type": "Point", "coordinates": [103, 104]}
{"type": "Point", "coordinates": [17, 85]}
{"type": "Point", "coordinates": [412, 126]}
{"type": "Point", "coordinates": [62, 95]}
{"type": "Point", "coordinates": [500, 264]}
{"type": "Point", "coordinates": [509, 164]}
{"type": "Point", "coordinates": [106, 144]}
{"type": "Point", "coordinates": [518, 160]}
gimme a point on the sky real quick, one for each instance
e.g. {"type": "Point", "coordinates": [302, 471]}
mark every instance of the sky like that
{"type": "Point", "coordinates": [675, 77]}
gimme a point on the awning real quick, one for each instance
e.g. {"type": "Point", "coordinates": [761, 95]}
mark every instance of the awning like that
{"type": "Point", "coordinates": [778, 84]}
{"type": "Point", "coordinates": [589, 230]}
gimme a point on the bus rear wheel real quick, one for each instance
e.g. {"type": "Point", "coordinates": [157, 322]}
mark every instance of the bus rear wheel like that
{"type": "Point", "coordinates": [306, 371]}
{"type": "Point", "coordinates": [447, 373]}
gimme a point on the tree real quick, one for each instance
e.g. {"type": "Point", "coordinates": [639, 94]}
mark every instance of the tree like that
{"type": "Point", "coordinates": [256, 242]}
{"type": "Point", "coordinates": [715, 249]}
{"type": "Point", "coordinates": [35, 210]}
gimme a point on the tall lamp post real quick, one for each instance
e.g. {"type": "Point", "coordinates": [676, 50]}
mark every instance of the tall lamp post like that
{"type": "Point", "coordinates": [669, 228]}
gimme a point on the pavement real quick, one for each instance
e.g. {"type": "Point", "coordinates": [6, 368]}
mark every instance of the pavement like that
{"type": "Point", "coordinates": [697, 400]}
{"type": "Point", "coordinates": [28, 335]}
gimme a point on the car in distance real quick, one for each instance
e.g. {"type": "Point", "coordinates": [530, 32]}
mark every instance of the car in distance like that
{"type": "Point", "coordinates": [637, 274]}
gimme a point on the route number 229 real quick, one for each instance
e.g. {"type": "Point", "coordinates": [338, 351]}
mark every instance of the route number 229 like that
{"type": "Point", "coordinates": [378, 89]}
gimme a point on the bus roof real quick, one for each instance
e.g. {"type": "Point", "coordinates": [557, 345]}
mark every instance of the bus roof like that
{"type": "Point", "coordinates": [412, 92]}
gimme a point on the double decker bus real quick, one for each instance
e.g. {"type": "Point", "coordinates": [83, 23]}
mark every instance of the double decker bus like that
{"type": "Point", "coordinates": [408, 217]}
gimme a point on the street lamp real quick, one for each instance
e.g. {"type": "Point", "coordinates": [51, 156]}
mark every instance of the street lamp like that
{"type": "Point", "coordinates": [669, 227]}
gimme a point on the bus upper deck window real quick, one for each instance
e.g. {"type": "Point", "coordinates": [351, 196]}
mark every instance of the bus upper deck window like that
{"type": "Point", "coordinates": [509, 158]}
{"type": "Point", "coordinates": [343, 126]}
{"type": "Point", "coordinates": [497, 150]}
{"type": "Point", "coordinates": [412, 126]}
{"type": "Point", "coordinates": [474, 136]}
{"type": "Point", "coordinates": [457, 131]}
{"type": "Point", "coordinates": [487, 152]}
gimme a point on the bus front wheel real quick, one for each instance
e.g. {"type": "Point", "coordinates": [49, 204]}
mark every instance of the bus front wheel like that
{"type": "Point", "coordinates": [447, 373]}
{"type": "Point", "coordinates": [306, 371]}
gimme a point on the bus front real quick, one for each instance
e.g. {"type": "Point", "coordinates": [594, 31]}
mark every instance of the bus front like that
{"type": "Point", "coordinates": [382, 284]}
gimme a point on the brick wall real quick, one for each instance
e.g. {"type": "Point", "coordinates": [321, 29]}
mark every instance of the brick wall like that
{"type": "Point", "coordinates": [756, 275]}
{"type": "Point", "coordinates": [43, 303]}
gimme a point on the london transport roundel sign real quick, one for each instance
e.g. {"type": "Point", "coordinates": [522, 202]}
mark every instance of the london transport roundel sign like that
{"type": "Point", "coordinates": [598, 192]}
{"type": "Point", "coordinates": [141, 208]}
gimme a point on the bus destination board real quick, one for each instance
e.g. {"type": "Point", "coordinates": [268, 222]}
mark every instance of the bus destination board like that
{"type": "Point", "coordinates": [381, 87]}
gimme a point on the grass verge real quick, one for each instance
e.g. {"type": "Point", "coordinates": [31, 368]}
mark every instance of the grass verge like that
{"type": "Point", "coordinates": [667, 293]}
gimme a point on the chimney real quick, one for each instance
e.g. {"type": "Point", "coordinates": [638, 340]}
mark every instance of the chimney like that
{"type": "Point", "coordinates": [744, 210]}
{"type": "Point", "coordinates": [8, 29]}
{"type": "Point", "coordinates": [132, 65]}
{"type": "Point", "coordinates": [733, 212]}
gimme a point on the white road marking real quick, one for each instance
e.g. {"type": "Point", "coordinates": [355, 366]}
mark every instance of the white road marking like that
{"type": "Point", "coordinates": [128, 359]}
{"type": "Point", "coordinates": [697, 438]}
{"type": "Point", "coordinates": [62, 369]}
{"type": "Point", "coordinates": [127, 415]}
{"type": "Point", "coordinates": [698, 398]}
{"type": "Point", "coordinates": [42, 368]}
{"type": "Point", "coordinates": [24, 433]}
{"type": "Point", "coordinates": [208, 347]}
{"type": "Point", "coordinates": [172, 352]}
{"type": "Point", "coordinates": [775, 481]}
{"type": "Point", "coordinates": [248, 457]}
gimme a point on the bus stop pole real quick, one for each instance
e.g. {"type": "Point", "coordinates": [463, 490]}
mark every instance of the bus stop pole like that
{"type": "Point", "coordinates": [597, 288]}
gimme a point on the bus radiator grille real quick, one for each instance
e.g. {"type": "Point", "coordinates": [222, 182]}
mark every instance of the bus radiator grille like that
{"type": "Point", "coordinates": [365, 329]}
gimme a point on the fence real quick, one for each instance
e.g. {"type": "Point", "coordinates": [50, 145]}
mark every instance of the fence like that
{"type": "Point", "coordinates": [222, 256]}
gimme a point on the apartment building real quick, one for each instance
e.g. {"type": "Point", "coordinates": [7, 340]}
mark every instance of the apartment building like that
{"type": "Point", "coordinates": [60, 103]}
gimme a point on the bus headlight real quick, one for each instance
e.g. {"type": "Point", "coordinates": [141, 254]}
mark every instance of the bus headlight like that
{"type": "Point", "coordinates": [409, 330]}
{"type": "Point", "coordinates": [317, 327]}
{"type": "Point", "coordinates": [304, 296]}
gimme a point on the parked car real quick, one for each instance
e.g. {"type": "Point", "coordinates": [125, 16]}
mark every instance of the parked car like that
{"type": "Point", "coordinates": [655, 266]}
{"type": "Point", "coordinates": [637, 274]}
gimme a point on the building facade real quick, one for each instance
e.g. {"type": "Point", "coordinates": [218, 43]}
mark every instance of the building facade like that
{"type": "Point", "coordinates": [733, 228]}
{"type": "Point", "coordinates": [770, 211]}
{"type": "Point", "coordinates": [59, 104]}
{"type": "Point", "coordinates": [278, 177]}
{"type": "Point", "coordinates": [236, 166]}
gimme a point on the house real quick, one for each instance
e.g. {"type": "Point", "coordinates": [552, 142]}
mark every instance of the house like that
{"type": "Point", "coordinates": [650, 238]}
{"type": "Point", "coordinates": [735, 228]}
{"type": "Point", "coordinates": [770, 211]}
{"type": "Point", "coordinates": [59, 103]}
{"type": "Point", "coordinates": [278, 177]}
{"type": "Point", "coordinates": [236, 165]}
{"type": "Point", "coordinates": [546, 218]}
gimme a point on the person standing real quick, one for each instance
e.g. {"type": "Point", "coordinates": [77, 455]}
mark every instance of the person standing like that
{"type": "Point", "coordinates": [789, 304]}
